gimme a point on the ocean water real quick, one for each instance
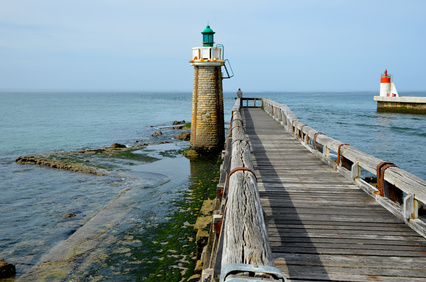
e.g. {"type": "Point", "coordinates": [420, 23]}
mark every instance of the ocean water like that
{"type": "Point", "coordinates": [33, 199]}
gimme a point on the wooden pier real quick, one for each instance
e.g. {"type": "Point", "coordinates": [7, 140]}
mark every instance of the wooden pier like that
{"type": "Point", "coordinates": [283, 196]}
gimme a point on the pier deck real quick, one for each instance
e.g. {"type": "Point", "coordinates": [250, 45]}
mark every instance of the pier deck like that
{"type": "Point", "coordinates": [320, 225]}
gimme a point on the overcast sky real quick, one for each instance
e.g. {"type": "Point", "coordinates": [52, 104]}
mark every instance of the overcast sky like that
{"type": "Point", "coordinates": [303, 45]}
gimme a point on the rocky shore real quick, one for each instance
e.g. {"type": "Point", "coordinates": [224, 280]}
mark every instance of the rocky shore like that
{"type": "Point", "coordinates": [64, 160]}
{"type": "Point", "coordinates": [70, 160]}
{"type": "Point", "coordinates": [199, 219]}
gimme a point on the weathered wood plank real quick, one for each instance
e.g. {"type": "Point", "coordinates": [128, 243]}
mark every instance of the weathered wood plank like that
{"type": "Point", "coordinates": [348, 241]}
{"type": "Point", "coordinates": [315, 273]}
{"type": "Point", "coordinates": [346, 245]}
{"type": "Point", "coordinates": [330, 250]}
{"type": "Point", "coordinates": [351, 261]}
{"type": "Point", "coordinates": [245, 238]}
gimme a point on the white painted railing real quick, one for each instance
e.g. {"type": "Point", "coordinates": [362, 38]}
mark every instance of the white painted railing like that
{"type": "Point", "coordinates": [206, 53]}
{"type": "Point", "coordinates": [402, 193]}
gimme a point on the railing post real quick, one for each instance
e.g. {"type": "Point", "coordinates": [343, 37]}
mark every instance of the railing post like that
{"type": "Point", "coordinates": [411, 207]}
{"type": "Point", "coordinates": [326, 151]}
{"type": "Point", "coordinates": [355, 171]}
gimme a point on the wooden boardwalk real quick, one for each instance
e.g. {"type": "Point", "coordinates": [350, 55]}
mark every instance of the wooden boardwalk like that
{"type": "Point", "coordinates": [321, 226]}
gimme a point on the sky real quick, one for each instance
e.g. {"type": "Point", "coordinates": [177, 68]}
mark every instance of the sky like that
{"type": "Point", "coordinates": [138, 45]}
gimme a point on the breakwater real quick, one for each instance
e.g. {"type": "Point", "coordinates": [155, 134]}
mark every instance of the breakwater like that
{"type": "Point", "coordinates": [413, 105]}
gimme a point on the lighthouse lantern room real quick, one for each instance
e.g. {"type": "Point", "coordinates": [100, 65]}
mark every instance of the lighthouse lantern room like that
{"type": "Point", "coordinates": [208, 34]}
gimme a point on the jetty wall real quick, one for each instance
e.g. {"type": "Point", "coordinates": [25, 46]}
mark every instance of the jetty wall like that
{"type": "Point", "coordinates": [415, 105]}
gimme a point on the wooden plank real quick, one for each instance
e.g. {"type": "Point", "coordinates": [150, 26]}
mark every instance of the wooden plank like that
{"type": "Point", "coordinates": [331, 250]}
{"type": "Point", "coordinates": [388, 244]}
{"type": "Point", "coordinates": [244, 232]}
{"type": "Point", "coordinates": [318, 273]}
{"type": "Point", "coordinates": [348, 261]}
{"type": "Point", "coordinates": [348, 244]}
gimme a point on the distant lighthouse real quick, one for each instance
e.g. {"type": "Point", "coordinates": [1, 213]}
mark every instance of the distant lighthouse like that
{"type": "Point", "coordinates": [207, 126]}
{"type": "Point", "coordinates": [387, 87]}
{"type": "Point", "coordinates": [390, 101]}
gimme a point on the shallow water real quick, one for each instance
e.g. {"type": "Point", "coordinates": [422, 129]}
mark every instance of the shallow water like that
{"type": "Point", "coordinates": [135, 189]}
{"type": "Point", "coordinates": [149, 189]}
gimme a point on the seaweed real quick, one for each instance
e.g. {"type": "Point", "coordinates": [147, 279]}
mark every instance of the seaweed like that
{"type": "Point", "coordinates": [165, 250]}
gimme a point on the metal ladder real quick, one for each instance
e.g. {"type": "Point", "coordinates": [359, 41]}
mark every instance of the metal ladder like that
{"type": "Point", "coordinates": [230, 72]}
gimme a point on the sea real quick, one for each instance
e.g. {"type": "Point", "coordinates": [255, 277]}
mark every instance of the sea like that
{"type": "Point", "coordinates": [35, 199]}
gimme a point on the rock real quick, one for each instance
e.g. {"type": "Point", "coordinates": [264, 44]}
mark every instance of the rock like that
{"type": "Point", "coordinates": [117, 145]}
{"type": "Point", "coordinates": [178, 122]}
{"type": "Point", "coordinates": [157, 134]}
{"type": "Point", "coordinates": [186, 136]}
{"type": "Point", "coordinates": [40, 160]}
{"type": "Point", "coordinates": [6, 269]}
{"type": "Point", "coordinates": [71, 214]}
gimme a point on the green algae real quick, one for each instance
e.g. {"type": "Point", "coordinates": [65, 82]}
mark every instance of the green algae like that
{"type": "Point", "coordinates": [131, 155]}
{"type": "Point", "coordinates": [164, 249]}
{"type": "Point", "coordinates": [171, 153]}
{"type": "Point", "coordinates": [102, 158]}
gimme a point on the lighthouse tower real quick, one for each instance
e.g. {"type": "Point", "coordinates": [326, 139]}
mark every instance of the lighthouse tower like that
{"type": "Point", "coordinates": [387, 88]}
{"type": "Point", "coordinates": [207, 127]}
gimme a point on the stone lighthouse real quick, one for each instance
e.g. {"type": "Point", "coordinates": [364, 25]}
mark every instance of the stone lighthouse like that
{"type": "Point", "coordinates": [207, 127]}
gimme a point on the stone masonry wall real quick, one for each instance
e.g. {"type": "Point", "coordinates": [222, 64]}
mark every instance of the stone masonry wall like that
{"type": "Point", "coordinates": [207, 134]}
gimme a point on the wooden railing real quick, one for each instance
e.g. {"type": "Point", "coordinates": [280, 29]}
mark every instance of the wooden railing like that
{"type": "Point", "coordinates": [240, 247]}
{"type": "Point", "coordinates": [257, 103]}
{"type": "Point", "coordinates": [400, 192]}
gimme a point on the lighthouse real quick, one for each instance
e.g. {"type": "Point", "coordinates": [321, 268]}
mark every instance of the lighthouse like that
{"type": "Point", "coordinates": [207, 124]}
{"type": "Point", "coordinates": [387, 87]}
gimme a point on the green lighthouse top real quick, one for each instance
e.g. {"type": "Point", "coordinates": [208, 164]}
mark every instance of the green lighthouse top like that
{"type": "Point", "coordinates": [208, 37]}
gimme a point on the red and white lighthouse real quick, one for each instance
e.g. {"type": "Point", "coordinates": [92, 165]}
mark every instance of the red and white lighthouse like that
{"type": "Point", "coordinates": [387, 87]}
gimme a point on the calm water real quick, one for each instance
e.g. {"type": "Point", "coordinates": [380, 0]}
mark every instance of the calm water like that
{"type": "Point", "coordinates": [34, 199]}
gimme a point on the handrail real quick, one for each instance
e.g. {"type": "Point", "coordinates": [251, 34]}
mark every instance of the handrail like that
{"type": "Point", "coordinates": [229, 75]}
{"type": "Point", "coordinates": [243, 239]}
{"type": "Point", "coordinates": [254, 102]}
{"type": "Point", "coordinates": [402, 193]}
